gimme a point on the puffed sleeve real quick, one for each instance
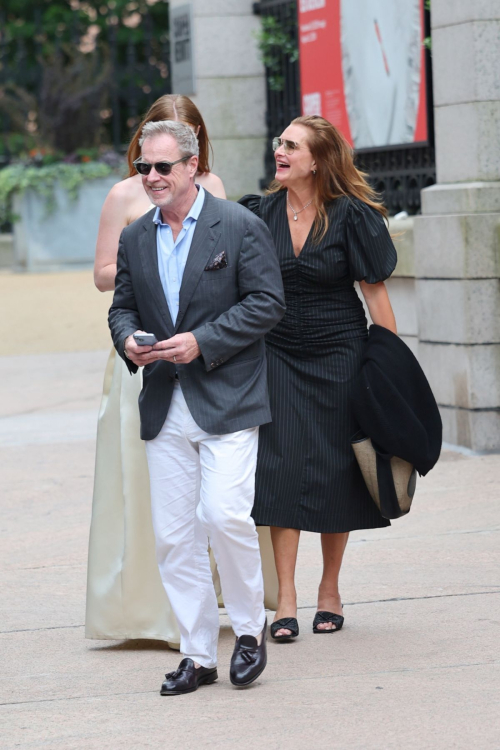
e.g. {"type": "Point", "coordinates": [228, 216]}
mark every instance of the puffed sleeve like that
{"type": "Point", "coordinates": [252, 202]}
{"type": "Point", "coordinates": [371, 254]}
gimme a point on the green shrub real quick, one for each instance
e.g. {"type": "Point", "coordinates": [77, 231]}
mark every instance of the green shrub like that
{"type": "Point", "coordinates": [18, 178]}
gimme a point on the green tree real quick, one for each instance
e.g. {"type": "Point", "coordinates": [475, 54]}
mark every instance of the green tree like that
{"type": "Point", "coordinates": [64, 65]}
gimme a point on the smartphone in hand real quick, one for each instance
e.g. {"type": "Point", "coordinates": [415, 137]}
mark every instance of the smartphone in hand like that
{"type": "Point", "coordinates": [145, 339]}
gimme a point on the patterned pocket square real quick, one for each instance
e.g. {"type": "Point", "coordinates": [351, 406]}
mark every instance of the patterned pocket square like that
{"type": "Point", "coordinates": [220, 261]}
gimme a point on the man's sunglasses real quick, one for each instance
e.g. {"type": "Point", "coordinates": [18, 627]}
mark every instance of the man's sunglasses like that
{"type": "Point", "coordinates": [162, 167]}
{"type": "Point", "coordinates": [288, 146]}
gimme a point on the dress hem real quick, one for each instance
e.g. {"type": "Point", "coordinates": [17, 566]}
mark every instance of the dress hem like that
{"type": "Point", "coordinates": [322, 531]}
{"type": "Point", "coordinates": [132, 637]}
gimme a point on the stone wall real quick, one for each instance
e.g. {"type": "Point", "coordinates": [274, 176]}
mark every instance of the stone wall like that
{"type": "Point", "coordinates": [230, 90]}
{"type": "Point", "coordinates": [457, 249]}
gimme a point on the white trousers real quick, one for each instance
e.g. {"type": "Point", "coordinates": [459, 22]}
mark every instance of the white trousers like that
{"type": "Point", "coordinates": [202, 491]}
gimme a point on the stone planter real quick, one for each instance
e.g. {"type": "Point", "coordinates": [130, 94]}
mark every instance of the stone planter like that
{"type": "Point", "coordinates": [66, 237]}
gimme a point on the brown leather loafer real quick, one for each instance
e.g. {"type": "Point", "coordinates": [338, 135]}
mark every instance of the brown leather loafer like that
{"type": "Point", "coordinates": [187, 678]}
{"type": "Point", "coordinates": [248, 660]}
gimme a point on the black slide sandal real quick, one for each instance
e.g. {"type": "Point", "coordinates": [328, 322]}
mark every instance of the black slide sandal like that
{"type": "Point", "coordinates": [289, 623]}
{"type": "Point", "coordinates": [323, 617]}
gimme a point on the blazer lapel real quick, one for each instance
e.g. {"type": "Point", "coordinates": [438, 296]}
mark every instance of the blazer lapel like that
{"type": "Point", "coordinates": [149, 259]}
{"type": "Point", "coordinates": [206, 235]}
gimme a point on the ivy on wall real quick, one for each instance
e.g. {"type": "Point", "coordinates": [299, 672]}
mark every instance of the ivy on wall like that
{"type": "Point", "coordinates": [16, 179]}
{"type": "Point", "coordinates": [428, 40]}
{"type": "Point", "coordinates": [276, 42]}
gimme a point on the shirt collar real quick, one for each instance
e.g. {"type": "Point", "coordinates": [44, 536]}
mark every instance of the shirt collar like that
{"type": "Point", "coordinates": [194, 211]}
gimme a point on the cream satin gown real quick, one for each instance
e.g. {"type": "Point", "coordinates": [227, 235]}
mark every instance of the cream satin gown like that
{"type": "Point", "coordinates": [125, 595]}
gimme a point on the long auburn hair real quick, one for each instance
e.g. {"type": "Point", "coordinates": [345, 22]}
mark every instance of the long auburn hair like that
{"type": "Point", "coordinates": [173, 107]}
{"type": "Point", "coordinates": [336, 174]}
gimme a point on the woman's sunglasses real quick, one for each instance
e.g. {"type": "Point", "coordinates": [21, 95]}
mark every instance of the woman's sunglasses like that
{"type": "Point", "coordinates": [288, 146]}
{"type": "Point", "coordinates": [162, 167]}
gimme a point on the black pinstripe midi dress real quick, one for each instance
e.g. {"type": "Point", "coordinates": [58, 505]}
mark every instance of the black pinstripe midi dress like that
{"type": "Point", "coordinates": [307, 476]}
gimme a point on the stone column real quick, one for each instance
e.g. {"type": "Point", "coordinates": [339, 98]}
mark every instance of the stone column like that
{"type": "Point", "coordinates": [230, 89]}
{"type": "Point", "coordinates": [457, 238]}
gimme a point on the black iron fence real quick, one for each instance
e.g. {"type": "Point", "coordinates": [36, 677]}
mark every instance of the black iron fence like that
{"type": "Point", "coordinates": [79, 66]}
{"type": "Point", "coordinates": [282, 72]}
{"type": "Point", "coordinates": [399, 173]}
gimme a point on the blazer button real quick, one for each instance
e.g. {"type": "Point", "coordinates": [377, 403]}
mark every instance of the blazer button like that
{"type": "Point", "coordinates": [212, 364]}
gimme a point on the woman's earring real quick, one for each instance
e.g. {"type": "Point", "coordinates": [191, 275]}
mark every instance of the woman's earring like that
{"type": "Point", "coordinates": [314, 171]}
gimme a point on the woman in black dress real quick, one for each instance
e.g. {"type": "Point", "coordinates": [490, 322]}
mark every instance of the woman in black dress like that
{"type": "Point", "coordinates": [329, 231]}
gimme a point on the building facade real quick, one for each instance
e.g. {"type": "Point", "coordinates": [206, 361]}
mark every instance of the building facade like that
{"type": "Point", "coordinates": [229, 88]}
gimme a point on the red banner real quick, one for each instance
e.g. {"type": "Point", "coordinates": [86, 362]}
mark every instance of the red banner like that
{"type": "Point", "coordinates": [362, 67]}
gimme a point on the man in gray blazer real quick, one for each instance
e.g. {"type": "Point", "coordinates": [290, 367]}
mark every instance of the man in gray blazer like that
{"type": "Point", "coordinates": [202, 275]}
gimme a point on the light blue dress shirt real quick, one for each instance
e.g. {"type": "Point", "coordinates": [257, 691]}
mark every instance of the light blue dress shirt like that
{"type": "Point", "coordinates": [172, 256]}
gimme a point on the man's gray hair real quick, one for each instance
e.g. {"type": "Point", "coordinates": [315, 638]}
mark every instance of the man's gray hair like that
{"type": "Point", "coordinates": [183, 134]}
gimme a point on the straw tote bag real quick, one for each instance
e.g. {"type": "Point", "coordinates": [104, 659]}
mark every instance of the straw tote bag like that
{"type": "Point", "coordinates": [391, 481]}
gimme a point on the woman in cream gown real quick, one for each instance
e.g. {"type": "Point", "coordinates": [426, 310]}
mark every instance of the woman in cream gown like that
{"type": "Point", "coordinates": [125, 595]}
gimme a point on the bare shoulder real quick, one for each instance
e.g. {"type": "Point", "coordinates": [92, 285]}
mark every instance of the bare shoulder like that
{"type": "Point", "coordinates": [120, 195]}
{"type": "Point", "coordinates": [126, 190]}
{"type": "Point", "coordinates": [126, 200]}
{"type": "Point", "coordinates": [209, 181]}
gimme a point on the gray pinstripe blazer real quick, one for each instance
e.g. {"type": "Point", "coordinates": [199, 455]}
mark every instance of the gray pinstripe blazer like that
{"type": "Point", "coordinates": [229, 310]}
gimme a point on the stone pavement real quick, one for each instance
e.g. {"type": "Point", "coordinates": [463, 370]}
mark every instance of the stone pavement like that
{"type": "Point", "coordinates": [416, 666]}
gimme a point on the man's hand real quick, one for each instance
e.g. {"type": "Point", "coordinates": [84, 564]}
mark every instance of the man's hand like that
{"type": "Point", "coordinates": [136, 353]}
{"type": "Point", "coordinates": [180, 349]}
